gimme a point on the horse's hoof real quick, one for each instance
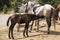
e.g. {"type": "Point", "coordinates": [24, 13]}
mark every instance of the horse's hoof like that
{"type": "Point", "coordinates": [29, 31]}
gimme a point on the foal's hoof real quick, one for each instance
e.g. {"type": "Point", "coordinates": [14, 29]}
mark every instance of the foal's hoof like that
{"type": "Point", "coordinates": [12, 37]}
{"type": "Point", "coordinates": [48, 33]}
{"type": "Point", "coordinates": [23, 35]}
{"type": "Point", "coordinates": [27, 36]}
{"type": "Point", "coordinates": [9, 37]}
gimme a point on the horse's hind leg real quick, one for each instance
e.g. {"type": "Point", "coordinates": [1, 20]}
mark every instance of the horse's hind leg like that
{"type": "Point", "coordinates": [35, 22]}
{"type": "Point", "coordinates": [37, 25]}
{"type": "Point", "coordinates": [49, 24]}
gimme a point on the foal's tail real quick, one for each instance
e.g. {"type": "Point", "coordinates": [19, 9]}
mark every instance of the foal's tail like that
{"type": "Point", "coordinates": [8, 21]}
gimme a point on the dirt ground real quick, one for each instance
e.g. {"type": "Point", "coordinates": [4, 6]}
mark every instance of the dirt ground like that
{"type": "Point", "coordinates": [41, 35]}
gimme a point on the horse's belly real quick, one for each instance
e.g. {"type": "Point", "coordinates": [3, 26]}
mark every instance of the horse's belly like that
{"type": "Point", "coordinates": [47, 12]}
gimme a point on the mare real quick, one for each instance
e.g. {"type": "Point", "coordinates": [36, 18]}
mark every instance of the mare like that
{"type": "Point", "coordinates": [46, 10]}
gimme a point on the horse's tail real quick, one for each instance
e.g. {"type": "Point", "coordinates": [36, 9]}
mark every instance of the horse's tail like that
{"type": "Point", "coordinates": [53, 15]}
{"type": "Point", "coordinates": [8, 21]}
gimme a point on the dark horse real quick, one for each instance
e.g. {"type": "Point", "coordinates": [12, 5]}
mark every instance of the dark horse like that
{"type": "Point", "coordinates": [20, 19]}
{"type": "Point", "coordinates": [57, 11]}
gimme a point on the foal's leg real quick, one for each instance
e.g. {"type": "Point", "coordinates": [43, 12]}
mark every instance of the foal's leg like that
{"type": "Point", "coordinates": [26, 29]}
{"type": "Point", "coordinates": [11, 30]}
{"type": "Point", "coordinates": [24, 32]}
{"type": "Point", "coordinates": [49, 24]}
{"type": "Point", "coordinates": [31, 26]}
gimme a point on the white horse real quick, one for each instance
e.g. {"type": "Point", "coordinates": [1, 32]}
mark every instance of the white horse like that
{"type": "Point", "coordinates": [45, 11]}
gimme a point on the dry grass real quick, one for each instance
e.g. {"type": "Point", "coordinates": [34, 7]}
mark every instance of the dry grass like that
{"type": "Point", "coordinates": [41, 35]}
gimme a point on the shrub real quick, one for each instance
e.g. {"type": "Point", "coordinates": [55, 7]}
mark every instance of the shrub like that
{"type": "Point", "coordinates": [5, 9]}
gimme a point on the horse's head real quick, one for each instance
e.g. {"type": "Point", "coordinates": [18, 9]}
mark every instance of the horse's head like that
{"type": "Point", "coordinates": [31, 4]}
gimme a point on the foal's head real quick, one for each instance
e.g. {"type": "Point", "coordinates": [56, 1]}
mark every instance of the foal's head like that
{"type": "Point", "coordinates": [34, 17]}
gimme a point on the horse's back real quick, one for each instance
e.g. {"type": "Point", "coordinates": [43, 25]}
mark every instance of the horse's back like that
{"type": "Point", "coordinates": [39, 10]}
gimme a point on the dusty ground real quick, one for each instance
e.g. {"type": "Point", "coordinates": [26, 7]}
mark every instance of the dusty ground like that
{"type": "Point", "coordinates": [41, 35]}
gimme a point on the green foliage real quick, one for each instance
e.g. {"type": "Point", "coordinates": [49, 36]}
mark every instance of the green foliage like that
{"type": "Point", "coordinates": [46, 1]}
{"type": "Point", "coordinates": [4, 2]}
{"type": "Point", "coordinates": [9, 3]}
{"type": "Point", "coordinates": [52, 2]}
{"type": "Point", "coordinates": [56, 3]}
{"type": "Point", "coordinates": [14, 3]}
{"type": "Point", "coordinates": [5, 9]}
